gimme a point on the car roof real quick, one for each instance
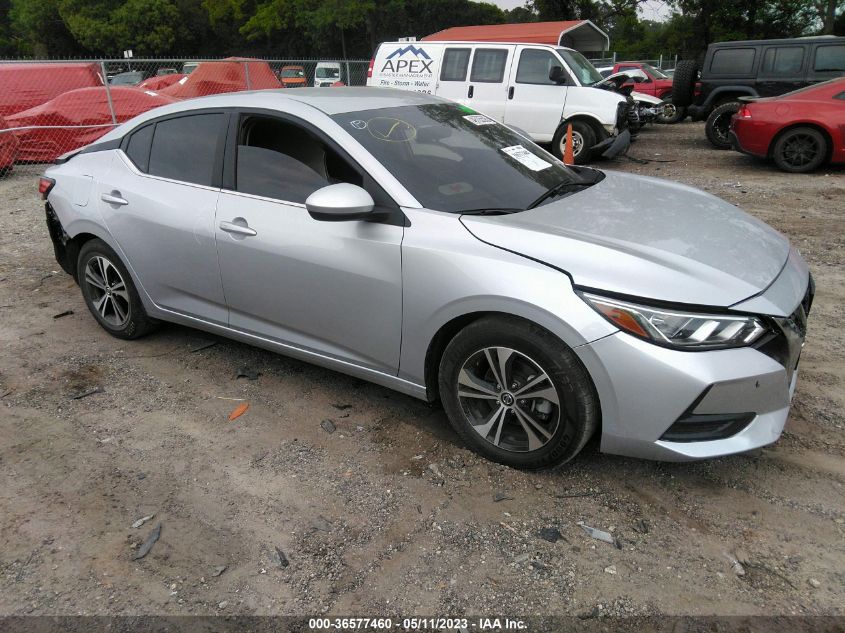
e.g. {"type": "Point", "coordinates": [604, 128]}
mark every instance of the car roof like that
{"type": "Point", "coordinates": [819, 39]}
{"type": "Point", "coordinates": [328, 101]}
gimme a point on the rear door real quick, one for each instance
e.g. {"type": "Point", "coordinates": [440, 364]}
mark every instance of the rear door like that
{"type": "Point", "coordinates": [487, 90]}
{"type": "Point", "coordinates": [535, 103]}
{"type": "Point", "coordinates": [159, 199]}
{"type": "Point", "coordinates": [782, 70]}
{"type": "Point", "coordinates": [453, 81]}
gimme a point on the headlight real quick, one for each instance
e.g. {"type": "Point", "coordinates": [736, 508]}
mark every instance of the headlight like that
{"type": "Point", "coordinates": [683, 330]}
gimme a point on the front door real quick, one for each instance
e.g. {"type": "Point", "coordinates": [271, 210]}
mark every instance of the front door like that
{"type": "Point", "coordinates": [535, 103]}
{"type": "Point", "coordinates": [158, 200]}
{"type": "Point", "coordinates": [334, 288]}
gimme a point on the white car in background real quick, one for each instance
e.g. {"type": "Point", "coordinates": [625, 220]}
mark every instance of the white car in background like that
{"type": "Point", "coordinates": [327, 74]}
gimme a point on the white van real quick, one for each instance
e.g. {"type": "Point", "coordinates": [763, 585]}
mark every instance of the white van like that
{"type": "Point", "coordinates": [326, 73]}
{"type": "Point", "coordinates": [533, 87]}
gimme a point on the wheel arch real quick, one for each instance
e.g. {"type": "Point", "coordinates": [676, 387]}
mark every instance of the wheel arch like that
{"type": "Point", "coordinates": [828, 139]}
{"type": "Point", "coordinates": [448, 330]}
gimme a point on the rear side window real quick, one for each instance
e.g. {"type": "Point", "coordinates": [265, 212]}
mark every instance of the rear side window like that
{"type": "Point", "coordinates": [455, 63]}
{"type": "Point", "coordinates": [185, 148]}
{"type": "Point", "coordinates": [830, 59]}
{"type": "Point", "coordinates": [534, 66]}
{"type": "Point", "coordinates": [488, 65]}
{"type": "Point", "coordinates": [783, 60]}
{"type": "Point", "coordinates": [138, 148]}
{"type": "Point", "coordinates": [733, 61]}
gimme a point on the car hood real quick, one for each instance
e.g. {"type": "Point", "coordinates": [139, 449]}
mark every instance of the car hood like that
{"type": "Point", "coordinates": [648, 238]}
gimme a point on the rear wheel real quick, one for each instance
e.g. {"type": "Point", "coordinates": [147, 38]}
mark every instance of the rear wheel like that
{"type": "Point", "coordinates": [719, 124]}
{"type": "Point", "coordinates": [109, 292]}
{"type": "Point", "coordinates": [583, 139]}
{"type": "Point", "coordinates": [800, 150]}
{"type": "Point", "coordinates": [516, 394]}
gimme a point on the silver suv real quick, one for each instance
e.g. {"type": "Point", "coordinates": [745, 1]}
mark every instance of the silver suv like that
{"type": "Point", "coordinates": [420, 245]}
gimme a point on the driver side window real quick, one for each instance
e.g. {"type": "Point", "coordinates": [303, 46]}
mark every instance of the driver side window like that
{"type": "Point", "coordinates": [284, 161]}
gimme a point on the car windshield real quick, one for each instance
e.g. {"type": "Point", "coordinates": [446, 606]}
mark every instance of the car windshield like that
{"type": "Point", "coordinates": [328, 73]}
{"type": "Point", "coordinates": [581, 66]}
{"type": "Point", "coordinates": [453, 159]}
{"type": "Point", "coordinates": [654, 72]}
{"type": "Point", "coordinates": [292, 72]}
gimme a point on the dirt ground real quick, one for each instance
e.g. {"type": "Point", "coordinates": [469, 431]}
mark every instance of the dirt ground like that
{"type": "Point", "coordinates": [390, 514]}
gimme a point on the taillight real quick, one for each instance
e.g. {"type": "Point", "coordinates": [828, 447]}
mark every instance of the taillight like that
{"type": "Point", "coordinates": [370, 68]}
{"type": "Point", "coordinates": [45, 185]}
{"type": "Point", "coordinates": [744, 112]}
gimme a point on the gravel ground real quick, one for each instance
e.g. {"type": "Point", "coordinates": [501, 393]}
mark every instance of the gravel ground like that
{"type": "Point", "coordinates": [390, 514]}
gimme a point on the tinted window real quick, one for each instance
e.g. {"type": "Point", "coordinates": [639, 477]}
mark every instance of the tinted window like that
{"type": "Point", "coordinates": [733, 61]}
{"type": "Point", "coordinates": [841, 95]}
{"type": "Point", "coordinates": [534, 67]}
{"type": "Point", "coordinates": [783, 60]}
{"type": "Point", "coordinates": [488, 65]}
{"type": "Point", "coordinates": [455, 62]}
{"type": "Point", "coordinates": [453, 159]}
{"type": "Point", "coordinates": [138, 148]}
{"type": "Point", "coordinates": [830, 59]}
{"type": "Point", "coordinates": [280, 160]}
{"type": "Point", "coordinates": [185, 148]}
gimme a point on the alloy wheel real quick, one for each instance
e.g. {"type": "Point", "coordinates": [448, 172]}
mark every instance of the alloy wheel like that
{"type": "Point", "coordinates": [107, 290]}
{"type": "Point", "coordinates": [508, 399]}
{"type": "Point", "coordinates": [800, 150]}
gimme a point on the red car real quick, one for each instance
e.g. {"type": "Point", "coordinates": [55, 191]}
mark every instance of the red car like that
{"type": "Point", "coordinates": [658, 84]}
{"type": "Point", "coordinates": [799, 131]}
{"type": "Point", "coordinates": [76, 118]}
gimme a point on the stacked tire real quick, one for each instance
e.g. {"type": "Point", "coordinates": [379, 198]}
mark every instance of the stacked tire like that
{"type": "Point", "coordinates": [683, 89]}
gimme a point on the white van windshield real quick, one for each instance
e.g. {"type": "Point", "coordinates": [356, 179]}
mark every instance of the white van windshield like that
{"type": "Point", "coordinates": [328, 73]}
{"type": "Point", "coordinates": [453, 159]}
{"type": "Point", "coordinates": [585, 72]}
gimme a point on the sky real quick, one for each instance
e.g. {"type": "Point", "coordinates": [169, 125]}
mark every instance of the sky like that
{"type": "Point", "coordinates": [656, 10]}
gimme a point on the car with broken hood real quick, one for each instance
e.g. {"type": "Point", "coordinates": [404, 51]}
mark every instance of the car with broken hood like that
{"type": "Point", "coordinates": [409, 241]}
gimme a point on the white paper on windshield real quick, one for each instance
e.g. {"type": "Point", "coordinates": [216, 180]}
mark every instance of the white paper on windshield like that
{"type": "Point", "coordinates": [479, 119]}
{"type": "Point", "coordinates": [522, 155]}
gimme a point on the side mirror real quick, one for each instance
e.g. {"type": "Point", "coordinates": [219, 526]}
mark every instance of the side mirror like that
{"type": "Point", "coordinates": [336, 203]}
{"type": "Point", "coordinates": [557, 75]}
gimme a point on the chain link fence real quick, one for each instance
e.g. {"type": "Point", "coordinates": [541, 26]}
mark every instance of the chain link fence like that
{"type": "Point", "coordinates": [48, 108]}
{"type": "Point", "coordinates": [664, 62]}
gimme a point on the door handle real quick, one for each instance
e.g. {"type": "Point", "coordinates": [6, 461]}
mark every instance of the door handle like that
{"type": "Point", "coordinates": [114, 198]}
{"type": "Point", "coordinates": [237, 229]}
{"type": "Point", "coordinates": [469, 92]}
{"type": "Point", "coordinates": [510, 92]}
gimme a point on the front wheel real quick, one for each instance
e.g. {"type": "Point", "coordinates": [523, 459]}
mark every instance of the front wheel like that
{"type": "Point", "coordinates": [516, 394]}
{"type": "Point", "coordinates": [671, 113]}
{"type": "Point", "coordinates": [800, 150]}
{"type": "Point", "coordinates": [719, 124]}
{"type": "Point", "coordinates": [583, 140]}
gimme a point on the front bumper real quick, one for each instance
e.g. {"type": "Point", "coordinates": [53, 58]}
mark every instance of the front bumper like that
{"type": "Point", "coordinates": [715, 402]}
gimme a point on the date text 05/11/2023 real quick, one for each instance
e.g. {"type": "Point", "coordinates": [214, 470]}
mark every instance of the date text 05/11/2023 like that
{"type": "Point", "coordinates": [418, 624]}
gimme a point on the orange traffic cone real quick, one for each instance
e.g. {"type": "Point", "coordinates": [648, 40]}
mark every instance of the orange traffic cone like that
{"type": "Point", "coordinates": [568, 155]}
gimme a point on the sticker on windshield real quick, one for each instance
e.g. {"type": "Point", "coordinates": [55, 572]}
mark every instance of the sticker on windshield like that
{"type": "Point", "coordinates": [358, 124]}
{"type": "Point", "coordinates": [479, 119]}
{"type": "Point", "coordinates": [522, 155]}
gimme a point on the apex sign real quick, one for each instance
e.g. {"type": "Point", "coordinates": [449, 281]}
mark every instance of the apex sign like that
{"type": "Point", "coordinates": [408, 60]}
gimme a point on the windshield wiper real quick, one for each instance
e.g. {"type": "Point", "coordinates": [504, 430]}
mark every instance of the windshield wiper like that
{"type": "Point", "coordinates": [490, 211]}
{"type": "Point", "coordinates": [567, 187]}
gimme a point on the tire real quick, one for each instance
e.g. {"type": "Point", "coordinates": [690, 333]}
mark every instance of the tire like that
{"type": "Point", "coordinates": [683, 83]}
{"type": "Point", "coordinates": [677, 113]}
{"type": "Point", "coordinates": [800, 150]}
{"type": "Point", "coordinates": [719, 124]}
{"type": "Point", "coordinates": [583, 139]}
{"type": "Point", "coordinates": [499, 425]}
{"type": "Point", "coordinates": [109, 292]}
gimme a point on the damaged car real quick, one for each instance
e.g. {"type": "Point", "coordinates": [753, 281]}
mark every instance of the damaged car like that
{"type": "Point", "coordinates": [411, 242]}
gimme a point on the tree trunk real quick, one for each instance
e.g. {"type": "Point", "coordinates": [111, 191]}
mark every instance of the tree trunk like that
{"type": "Point", "coordinates": [829, 17]}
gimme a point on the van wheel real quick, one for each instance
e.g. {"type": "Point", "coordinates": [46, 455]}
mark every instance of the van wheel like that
{"type": "Point", "coordinates": [671, 113]}
{"type": "Point", "coordinates": [719, 124]}
{"type": "Point", "coordinates": [583, 140]}
{"type": "Point", "coordinates": [516, 394]}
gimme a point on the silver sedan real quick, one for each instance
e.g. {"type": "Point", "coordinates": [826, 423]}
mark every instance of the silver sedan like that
{"type": "Point", "coordinates": [420, 245]}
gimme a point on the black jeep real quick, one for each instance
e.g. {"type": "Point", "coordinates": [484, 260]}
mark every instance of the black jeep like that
{"type": "Point", "coordinates": [754, 68]}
